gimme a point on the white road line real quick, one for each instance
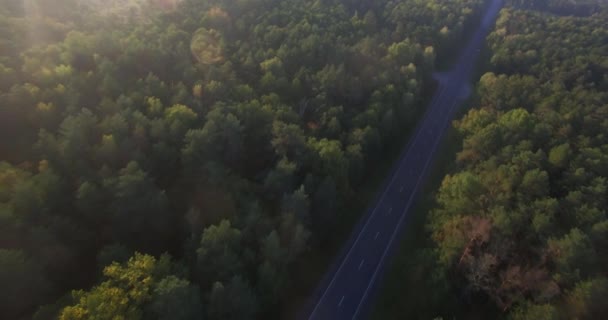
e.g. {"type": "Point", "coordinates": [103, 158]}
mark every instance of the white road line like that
{"type": "Point", "coordinates": [376, 236]}
{"type": "Point", "coordinates": [340, 303]}
{"type": "Point", "coordinates": [396, 173]}
{"type": "Point", "coordinates": [361, 264]}
{"type": "Point", "coordinates": [373, 278]}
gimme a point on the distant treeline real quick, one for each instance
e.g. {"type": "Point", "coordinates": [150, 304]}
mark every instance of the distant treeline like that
{"type": "Point", "coordinates": [562, 7]}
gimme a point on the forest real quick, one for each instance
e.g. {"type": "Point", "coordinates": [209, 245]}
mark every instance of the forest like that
{"type": "Point", "coordinates": [519, 228]}
{"type": "Point", "coordinates": [165, 159]}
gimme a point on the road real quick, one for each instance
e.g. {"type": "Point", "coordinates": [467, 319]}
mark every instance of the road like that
{"type": "Point", "coordinates": [345, 291]}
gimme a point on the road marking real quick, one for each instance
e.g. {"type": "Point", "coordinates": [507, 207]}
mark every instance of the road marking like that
{"type": "Point", "coordinates": [409, 147]}
{"type": "Point", "coordinates": [340, 303]}
{"type": "Point", "coordinates": [399, 223]}
{"type": "Point", "coordinates": [376, 236]}
{"type": "Point", "coordinates": [361, 264]}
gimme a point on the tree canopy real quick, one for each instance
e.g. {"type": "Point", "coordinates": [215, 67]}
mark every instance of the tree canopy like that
{"type": "Point", "coordinates": [522, 221]}
{"type": "Point", "coordinates": [228, 134]}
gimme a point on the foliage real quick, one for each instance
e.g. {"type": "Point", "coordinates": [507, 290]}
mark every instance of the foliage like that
{"type": "Point", "coordinates": [230, 134]}
{"type": "Point", "coordinates": [143, 283]}
{"type": "Point", "coordinates": [518, 224]}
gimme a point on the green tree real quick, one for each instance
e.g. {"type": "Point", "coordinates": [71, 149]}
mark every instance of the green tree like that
{"type": "Point", "coordinates": [585, 301]}
{"type": "Point", "coordinates": [219, 140]}
{"type": "Point", "coordinates": [560, 155]}
{"type": "Point", "coordinates": [288, 140]}
{"type": "Point", "coordinates": [140, 215]}
{"type": "Point", "coordinates": [281, 179]}
{"type": "Point", "coordinates": [179, 119]}
{"type": "Point", "coordinates": [218, 258]}
{"type": "Point", "coordinates": [174, 298]}
{"type": "Point", "coordinates": [130, 289]}
{"type": "Point", "coordinates": [298, 204]}
{"type": "Point", "coordinates": [574, 256]}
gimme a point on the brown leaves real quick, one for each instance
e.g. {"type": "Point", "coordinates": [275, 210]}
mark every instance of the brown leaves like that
{"type": "Point", "coordinates": [494, 271]}
{"type": "Point", "coordinates": [519, 282]}
{"type": "Point", "coordinates": [477, 230]}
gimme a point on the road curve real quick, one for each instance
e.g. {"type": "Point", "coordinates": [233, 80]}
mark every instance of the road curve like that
{"type": "Point", "coordinates": [345, 291]}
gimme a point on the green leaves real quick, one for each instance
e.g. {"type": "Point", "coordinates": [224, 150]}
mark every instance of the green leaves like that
{"type": "Point", "coordinates": [141, 288]}
{"type": "Point", "coordinates": [461, 193]}
{"type": "Point", "coordinates": [574, 256]}
{"type": "Point", "coordinates": [559, 156]}
{"type": "Point", "coordinates": [218, 257]}
{"type": "Point", "coordinates": [175, 298]}
{"type": "Point", "coordinates": [206, 46]}
{"type": "Point", "coordinates": [158, 126]}
{"type": "Point", "coordinates": [137, 204]}
{"type": "Point", "coordinates": [586, 300]}
{"type": "Point", "coordinates": [532, 167]}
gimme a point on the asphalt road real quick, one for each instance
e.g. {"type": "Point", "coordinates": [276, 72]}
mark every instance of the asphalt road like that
{"type": "Point", "coordinates": [346, 289]}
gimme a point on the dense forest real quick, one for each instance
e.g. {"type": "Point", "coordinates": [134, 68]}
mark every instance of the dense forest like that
{"type": "Point", "coordinates": [561, 7]}
{"type": "Point", "coordinates": [174, 159]}
{"type": "Point", "coordinates": [519, 229]}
